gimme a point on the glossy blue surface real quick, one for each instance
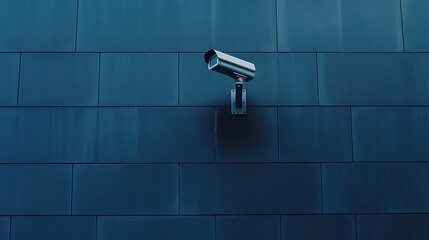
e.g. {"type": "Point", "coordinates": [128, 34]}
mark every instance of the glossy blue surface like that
{"type": "Point", "coordinates": [248, 227]}
{"type": "Point", "coordinates": [59, 79]}
{"type": "Point", "coordinates": [34, 26]}
{"type": "Point", "coordinates": [113, 128]}
{"type": "Point", "coordinates": [281, 79]}
{"type": "Point", "coordinates": [156, 135]}
{"type": "Point", "coordinates": [313, 134]}
{"type": "Point", "coordinates": [59, 227]}
{"type": "Point", "coordinates": [171, 26]}
{"type": "Point", "coordinates": [375, 188]}
{"type": "Point", "coordinates": [48, 135]}
{"type": "Point", "coordinates": [393, 226]}
{"type": "Point", "coordinates": [35, 189]}
{"type": "Point", "coordinates": [249, 189]}
{"type": "Point", "coordinates": [339, 26]}
{"type": "Point", "coordinates": [136, 228]}
{"type": "Point", "coordinates": [319, 227]}
{"type": "Point", "coordinates": [125, 189]}
{"type": "Point", "coordinates": [112, 135]}
{"type": "Point", "coordinates": [391, 134]}
{"type": "Point", "coordinates": [139, 80]}
{"type": "Point", "coordinates": [4, 228]}
{"type": "Point", "coordinates": [416, 22]}
{"type": "Point", "coordinates": [249, 138]}
{"type": "Point", "coordinates": [373, 79]}
{"type": "Point", "coordinates": [9, 72]}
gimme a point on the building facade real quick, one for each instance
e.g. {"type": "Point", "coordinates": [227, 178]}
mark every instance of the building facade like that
{"type": "Point", "coordinates": [112, 127]}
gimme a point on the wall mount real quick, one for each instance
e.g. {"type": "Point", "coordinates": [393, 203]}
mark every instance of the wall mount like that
{"type": "Point", "coordinates": [238, 99]}
{"type": "Point", "coordinates": [241, 71]}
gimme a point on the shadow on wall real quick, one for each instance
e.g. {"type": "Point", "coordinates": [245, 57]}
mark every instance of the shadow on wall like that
{"type": "Point", "coordinates": [248, 138]}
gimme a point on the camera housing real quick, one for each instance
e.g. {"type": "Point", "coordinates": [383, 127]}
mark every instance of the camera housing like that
{"type": "Point", "coordinates": [229, 65]}
{"type": "Point", "coordinates": [236, 68]}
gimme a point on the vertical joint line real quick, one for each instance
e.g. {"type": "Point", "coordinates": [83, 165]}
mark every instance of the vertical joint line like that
{"type": "Point", "coordinates": [77, 20]}
{"type": "Point", "coordinates": [215, 227]}
{"type": "Point", "coordinates": [99, 77]}
{"type": "Point", "coordinates": [356, 227]}
{"type": "Point", "coordinates": [402, 26]}
{"type": "Point", "coordinates": [351, 133]}
{"type": "Point", "coordinates": [178, 188]}
{"type": "Point", "coordinates": [10, 227]}
{"type": "Point", "coordinates": [278, 136]}
{"type": "Point", "coordinates": [96, 227]}
{"type": "Point", "coordinates": [317, 80]}
{"type": "Point", "coordinates": [178, 79]}
{"type": "Point", "coordinates": [281, 228]}
{"type": "Point", "coordinates": [277, 34]}
{"type": "Point", "coordinates": [215, 133]}
{"type": "Point", "coordinates": [71, 190]}
{"type": "Point", "coordinates": [19, 79]}
{"type": "Point", "coordinates": [321, 185]}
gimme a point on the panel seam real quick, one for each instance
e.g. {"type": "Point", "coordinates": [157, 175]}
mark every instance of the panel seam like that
{"type": "Point", "coordinates": [351, 133]}
{"type": "Point", "coordinates": [178, 79]}
{"type": "Point", "coordinates": [99, 79]}
{"type": "Point", "coordinates": [215, 230]}
{"type": "Point", "coordinates": [96, 227]}
{"type": "Point", "coordinates": [77, 20]}
{"type": "Point", "coordinates": [178, 189]}
{"type": "Point", "coordinates": [10, 228]}
{"type": "Point", "coordinates": [215, 134]}
{"type": "Point", "coordinates": [317, 79]}
{"type": "Point", "coordinates": [235, 52]}
{"type": "Point", "coordinates": [19, 79]}
{"type": "Point", "coordinates": [277, 25]}
{"type": "Point", "coordinates": [71, 190]}
{"type": "Point", "coordinates": [402, 26]}
{"type": "Point", "coordinates": [321, 185]}
{"type": "Point", "coordinates": [356, 227]}
{"type": "Point", "coordinates": [278, 136]}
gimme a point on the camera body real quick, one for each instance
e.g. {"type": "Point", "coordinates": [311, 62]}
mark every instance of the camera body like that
{"type": "Point", "coordinates": [236, 68]}
{"type": "Point", "coordinates": [228, 65]}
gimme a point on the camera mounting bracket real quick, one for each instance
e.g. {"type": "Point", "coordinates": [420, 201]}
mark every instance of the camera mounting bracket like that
{"type": "Point", "coordinates": [238, 98]}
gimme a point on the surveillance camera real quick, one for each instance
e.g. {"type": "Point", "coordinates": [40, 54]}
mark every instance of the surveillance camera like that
{"type": "Point", "coordinates": [236, 68]}
{"type": "Point", "coordinates": [229, 65]}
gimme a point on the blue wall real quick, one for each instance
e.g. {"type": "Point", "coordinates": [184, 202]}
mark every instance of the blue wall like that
{"type": "Point", "coordinates": [112, 128]}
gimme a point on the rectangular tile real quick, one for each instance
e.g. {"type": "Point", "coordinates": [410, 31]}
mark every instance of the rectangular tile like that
{"type": "Point", "coordinates": [175, 26]}
{"type": "Point", "coordinates": [37, 26]}
{"type": "Point", "coordinates": [416, 22]}
{"type": "Point", "coordinates": [375, 188]}
{"type": "Point", "coordinates": [390, 134]}
{"type": "Point", "coordinates": [35, 189]}
{"type": "Point", "coordinates": [59, 79]}
{"type": "Point", "coordinates": [343, 26]}
{"type": "Point", "coordinates": [9, 72]}
{"type": "Point", "coordinates": [136, 228]}
{"type": "Point", "coordinates": [373, 79]}
{"type": "Point", "coordinates": [125, 189]}
{"type": "Point", "coordinates": [311, 134]}
{"type": "Point", "coordinates": [156, 135]}
{"type": "Point", "coordinates": [281, 79]}
{"type": "Point", "coordinates": [106, 135]}
{"type": "Point", "coordinates": [248, 227]}
{"type": "Point", "coordinates": [249, 138]}
{"type": "Point", "coordinates": [58, 227]}
{"type": "Point", "coordinates": [139, 80]}
{"type": "Point", "coordinates": [4, 228]}
{"type": "Point", "coordinates": [316, 227]}
{"type": "Point", "coordinates": [393, 226]}
{"type": "Point", "coordinates": [48, 135]}
{"type": "Point", "coordinates": [250, 189]}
